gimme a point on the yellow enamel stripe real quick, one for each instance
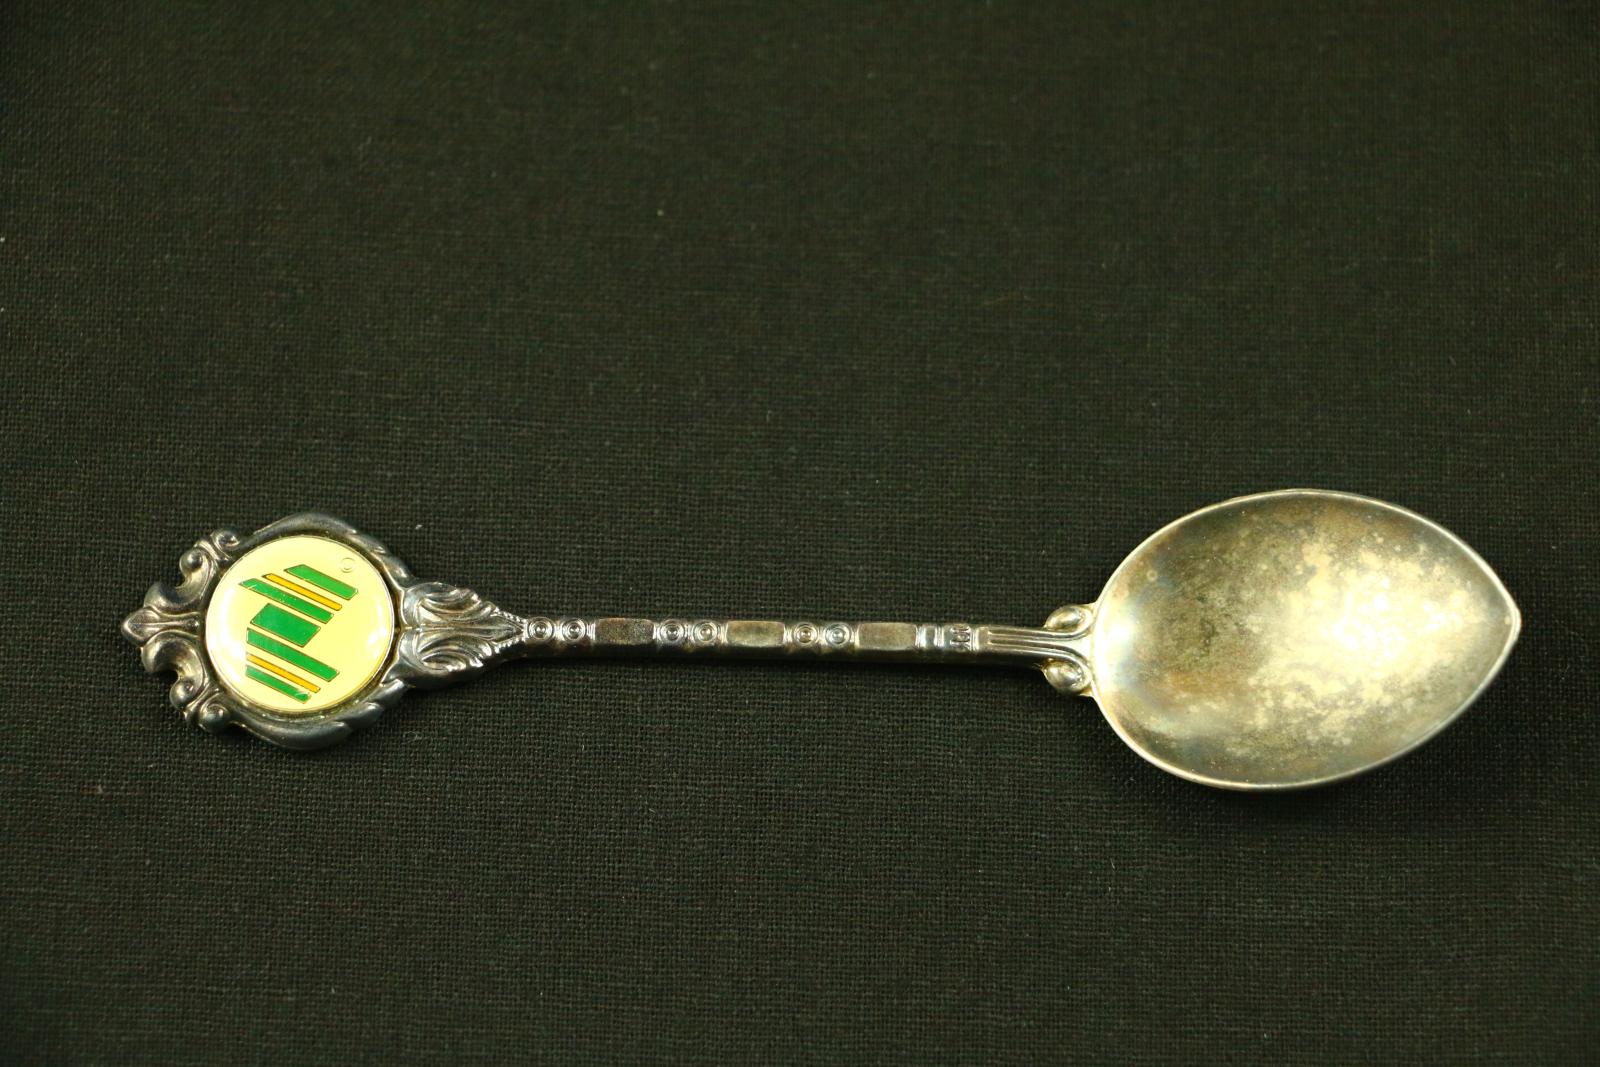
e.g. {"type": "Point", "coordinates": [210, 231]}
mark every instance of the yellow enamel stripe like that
{"type": "Point", "coordinates": [299, 590]}
{"type": "Point", "coordinates": [288, 676]}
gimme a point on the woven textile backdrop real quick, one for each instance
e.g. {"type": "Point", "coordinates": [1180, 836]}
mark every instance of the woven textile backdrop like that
{"type": "Point", "coordinates": [927, 311]}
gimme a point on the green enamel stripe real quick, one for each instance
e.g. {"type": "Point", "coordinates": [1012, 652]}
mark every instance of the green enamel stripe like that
{"type": "Point", "coordinates": [289, 655]}
{"type": "Point", "coordinates": [277, 683]}
{"type": "Point", "coordinates": [287, 599]}
{"type": "Point", "coordinates": [316, 577]}
{"type": "Point", "coordinates": [292, 628]}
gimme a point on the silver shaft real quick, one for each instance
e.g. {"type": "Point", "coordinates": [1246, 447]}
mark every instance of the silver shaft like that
{"type": "Point", "coordinates": [448, 633]}
{"type": "Point", "coordinates": [943, 642]}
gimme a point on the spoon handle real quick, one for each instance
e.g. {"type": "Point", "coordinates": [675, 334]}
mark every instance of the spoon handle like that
{"type": "Point", "coordinates": [449, 632]}
{"type": "Point", "coordinates": [949, 642]}
{"type": "Point", "coordinates": [308, 629]}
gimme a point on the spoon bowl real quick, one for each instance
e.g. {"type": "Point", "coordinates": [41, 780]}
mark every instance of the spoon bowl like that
{"type": "Point", "coordinates": [1294, 638]}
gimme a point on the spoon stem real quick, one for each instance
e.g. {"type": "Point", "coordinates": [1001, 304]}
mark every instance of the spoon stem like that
{"type": "Point", "coordinates": [448, 633]}
{"type": "Point", "coordinates": [924, 642]}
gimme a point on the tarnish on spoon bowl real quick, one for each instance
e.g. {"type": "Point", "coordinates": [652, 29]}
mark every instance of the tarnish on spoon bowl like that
{"type": "Point", "coordinates": [1294, 638]}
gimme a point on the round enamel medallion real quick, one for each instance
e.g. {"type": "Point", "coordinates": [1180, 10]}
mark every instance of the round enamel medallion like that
{"type": "Point", "coordinates": [299, 624]}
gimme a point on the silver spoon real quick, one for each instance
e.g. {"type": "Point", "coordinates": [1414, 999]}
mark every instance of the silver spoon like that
{"type": "Point", "coordinates": [1273, 641]}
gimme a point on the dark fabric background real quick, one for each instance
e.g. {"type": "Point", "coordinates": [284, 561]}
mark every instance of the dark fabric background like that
{"type": "Point", "coordinates": [930, 311]}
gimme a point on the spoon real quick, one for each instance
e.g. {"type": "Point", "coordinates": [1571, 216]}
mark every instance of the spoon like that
{"type": "Point", "coordinates": [1273, 641]}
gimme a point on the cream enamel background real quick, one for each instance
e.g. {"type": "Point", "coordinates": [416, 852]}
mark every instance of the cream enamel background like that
{"type": "Point", "coordinates": [355, 642]}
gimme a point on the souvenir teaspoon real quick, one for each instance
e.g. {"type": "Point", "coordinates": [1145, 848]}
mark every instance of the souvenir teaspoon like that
{"type": "Point", "coordinates": [1272, 641]}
